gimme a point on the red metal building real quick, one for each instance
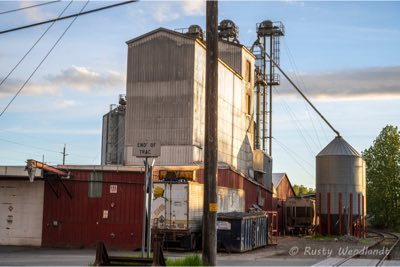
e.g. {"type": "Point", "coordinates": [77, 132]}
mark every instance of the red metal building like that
{"type": "Point", "coordinates": [105, 205]}
{"type": "Point", "coordinates": [282, 191]}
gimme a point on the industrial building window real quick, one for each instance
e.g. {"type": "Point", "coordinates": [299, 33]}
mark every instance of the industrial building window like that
{"type": "Point", "coordinates": [248, 71]}
{"type": "Point", "coordinates": [95, 184]}
{"type": "Point", "coordinates": [248, 104]}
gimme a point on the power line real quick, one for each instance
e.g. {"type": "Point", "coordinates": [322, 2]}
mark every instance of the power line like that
{"type": "Point", "coordinates": [34, 45]}
{"type": "Point", "coordinates": [41, 62]}
{"type": "Point", "coordinates": [67, 17]}
{"type": "Point", "coordinates": [27, 7]}
{"type": "Point", "coordinates": [25, 145]}
{"type": "Point", "coordinates": [302, 94]}
{"type": "Point", "coordinates": [299, 78]}
{"type": "Point", "coordinates": [296, 122]}
{"type": "Point", "coordinates": [290, 154]}
{"type": "Point", "coordinates": [293, 152]}
{"type": "Point", "coordinates": [43, 149]}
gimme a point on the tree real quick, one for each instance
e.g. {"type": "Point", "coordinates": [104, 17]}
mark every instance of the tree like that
{"type": "Point", "coordinates": [301, 190]}
{"type": "Point", "coordinates": [383, 178]}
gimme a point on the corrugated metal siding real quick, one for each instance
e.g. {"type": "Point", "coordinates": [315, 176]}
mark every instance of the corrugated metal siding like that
{"type": "Point", "coordinates": [250, 190]}
{"type": "Point", "coordinates": [166, 100]}
{"type": "Point", "coordinates": [231, 179]}
{"type": "Point", "coordinates": [284, 190]}
{"type": "Point", "coordinates": [340, 174]}
{"type": "Point", "coordinates": [160, 92]}
{"type": "Point", "coordinates": [231, 54]}
{"type": "Point", "coordinates": [80, 219]}
{"type": "Point", "coordinates": [113, 137]}
{"type": "Point", "coordinates": [235, 134]}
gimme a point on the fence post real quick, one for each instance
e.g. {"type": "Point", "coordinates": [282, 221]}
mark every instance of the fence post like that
{"type": "Point", "coordinates": [351, 214]}
{"type": "Point", "coordinates": [340, 213]}
{"type": "Point", "coordinates": [329, 212]}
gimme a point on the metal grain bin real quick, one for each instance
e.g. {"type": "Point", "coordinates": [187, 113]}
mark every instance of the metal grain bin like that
{"type": "Point", "coordinates": [241, 231]}
{"type": "Point", "coordinates": [340, 188]}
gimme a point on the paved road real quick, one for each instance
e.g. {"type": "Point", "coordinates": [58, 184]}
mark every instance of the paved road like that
{"type": "Point", "coordinates": [17, 256]}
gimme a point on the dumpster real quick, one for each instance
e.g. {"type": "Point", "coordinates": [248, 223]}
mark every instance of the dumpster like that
{"type": "Point", "coordinates": [241, 231]}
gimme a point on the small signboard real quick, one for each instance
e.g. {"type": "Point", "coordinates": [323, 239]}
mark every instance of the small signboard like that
{"type": "Point", "coordinates": [113, 189]}
{"type": "Point", "coordinates": [105, 214]}
{"type": "Point", "coordinates": [147, 149]}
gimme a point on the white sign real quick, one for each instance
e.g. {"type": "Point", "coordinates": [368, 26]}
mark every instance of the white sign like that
{"type": "Point", "coordinates": [113, 189]}
{"type": "Point", "coordinates": [105, 214]}
{"type": "Point", "coordinates": [147, 149]}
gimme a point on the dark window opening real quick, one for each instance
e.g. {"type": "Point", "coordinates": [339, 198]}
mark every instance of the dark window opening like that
{"type": "Point", "coordinates": [95, 184]}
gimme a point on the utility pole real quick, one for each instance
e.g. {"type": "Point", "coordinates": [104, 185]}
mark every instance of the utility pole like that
{"type": "Point", "coordinates": [64, 154]}
{"type": "Point", "coordinates": [211, 137]}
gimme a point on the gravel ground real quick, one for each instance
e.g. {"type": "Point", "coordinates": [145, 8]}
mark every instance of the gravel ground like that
{"type": "Point", "coordinates": [289, 251]}
{"type": "Point", "coordinates": [304, 248]}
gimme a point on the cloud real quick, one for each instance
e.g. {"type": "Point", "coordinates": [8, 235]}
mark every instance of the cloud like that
{"type": "Point", "coordinates": [194, 7]}
{"type": "Point", "coordinates": [294, 2]}
{"type": "Point", "coordinates": [172, 10]}
{"type": "Point", "coordinates": [165, 12]}
{"type": "Point", "coordinates": [11, 86]}
{"type": "Point", "coordinates": [75, 78]}
{"type": "Point", "coordinates": [367, 83]}
{"type": "Point", "coordinates": [34, 14]}
{"type": "Point", "coordinates": [85, 79]}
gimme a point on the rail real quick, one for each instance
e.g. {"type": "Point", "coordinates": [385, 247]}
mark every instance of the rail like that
{"type": "Point", "coordinates": [387, 255]}
{"type": "Point", "coordinates": [383, 238]}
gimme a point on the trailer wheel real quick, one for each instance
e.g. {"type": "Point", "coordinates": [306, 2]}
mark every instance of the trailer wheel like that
{"type": "Point", "coordinates": [193, 241]}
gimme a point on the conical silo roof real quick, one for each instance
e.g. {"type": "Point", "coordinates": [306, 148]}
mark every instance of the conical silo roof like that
{"type": "Point", "coordinates": [339, 146]}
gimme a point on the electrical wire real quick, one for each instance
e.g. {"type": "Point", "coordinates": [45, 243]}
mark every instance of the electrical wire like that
{"type": "Point", "coordinates": [25, 145]}
{"type": "Point", "coordinates": [68, 17]}
{"type": "Point", "coordinates": [303, 95]}
{"type": "Point", "coordinates": [34, 45]}
{"type": "Point", "coordinates": [299, 78]}
{"type": "Point", "coordinates": [296, 123]}
{"type": "Point", "coordinates": [27, 7]}
{"type": "Point", "coordinates": [293, 152]}
{"type": "Point", "coordinates": [41, 62]}
{"type": "Point", "coordinates": [42, 149]}
{"type": "Point", "coordinates": [290, 154]}
{"type": "Point", "coordinates": [306, 90]}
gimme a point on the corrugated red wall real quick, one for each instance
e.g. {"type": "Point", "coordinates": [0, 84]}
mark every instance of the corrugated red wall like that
{"type": "Point", "coordinates": [79, 222]}
{"type": "Point", "coordinates": [232, 179]}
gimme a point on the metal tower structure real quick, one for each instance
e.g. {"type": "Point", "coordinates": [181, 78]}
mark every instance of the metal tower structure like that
{"type": "Point", "coordinates": [268, 34]}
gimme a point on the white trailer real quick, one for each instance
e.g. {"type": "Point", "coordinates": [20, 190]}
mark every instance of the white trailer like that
{"type": "Point", "coordinates": [177, 210]}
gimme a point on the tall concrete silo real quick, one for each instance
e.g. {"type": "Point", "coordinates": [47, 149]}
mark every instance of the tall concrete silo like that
{"type": "Point", "coordinates": [341, 189]}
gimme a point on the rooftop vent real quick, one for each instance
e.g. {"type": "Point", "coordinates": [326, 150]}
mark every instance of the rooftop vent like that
{"type": "Point", "coordinates": [195, 31]}
{"type": "Point", "coordinates": [268, 28]}
{"type": "Point", "coordinates": [228, 31]}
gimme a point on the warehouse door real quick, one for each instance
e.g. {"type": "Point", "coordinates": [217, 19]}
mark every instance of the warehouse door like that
{"type": "Point", "coordinates": [21, 212]}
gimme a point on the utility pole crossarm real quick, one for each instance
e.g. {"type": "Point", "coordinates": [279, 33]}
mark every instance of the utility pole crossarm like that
{"type": "Point", "coordinates": [302, 94]}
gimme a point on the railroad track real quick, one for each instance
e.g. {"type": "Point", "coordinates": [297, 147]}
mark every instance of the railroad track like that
{"type": "Point", "coordinates": [387, 241]}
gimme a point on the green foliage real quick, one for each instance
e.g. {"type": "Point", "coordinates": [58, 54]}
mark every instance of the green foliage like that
{"type": "Point", "coordinates": [383, 178]}
{"type": "Point", "coordinates": [324, 237]}
{"type": "Point", "coordinates": [301, 190]}
{"type": "Point", "coordinates": [193, 260]}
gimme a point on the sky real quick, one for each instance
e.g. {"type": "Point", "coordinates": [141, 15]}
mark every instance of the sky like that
{"type": "Point", "coordinates": [343, 55]}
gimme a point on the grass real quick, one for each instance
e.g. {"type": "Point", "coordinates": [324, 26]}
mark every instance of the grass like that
{"type": "Point", "coordinates": [324, 238]}
{"type": "Point", "coordinates": [193, 260]}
